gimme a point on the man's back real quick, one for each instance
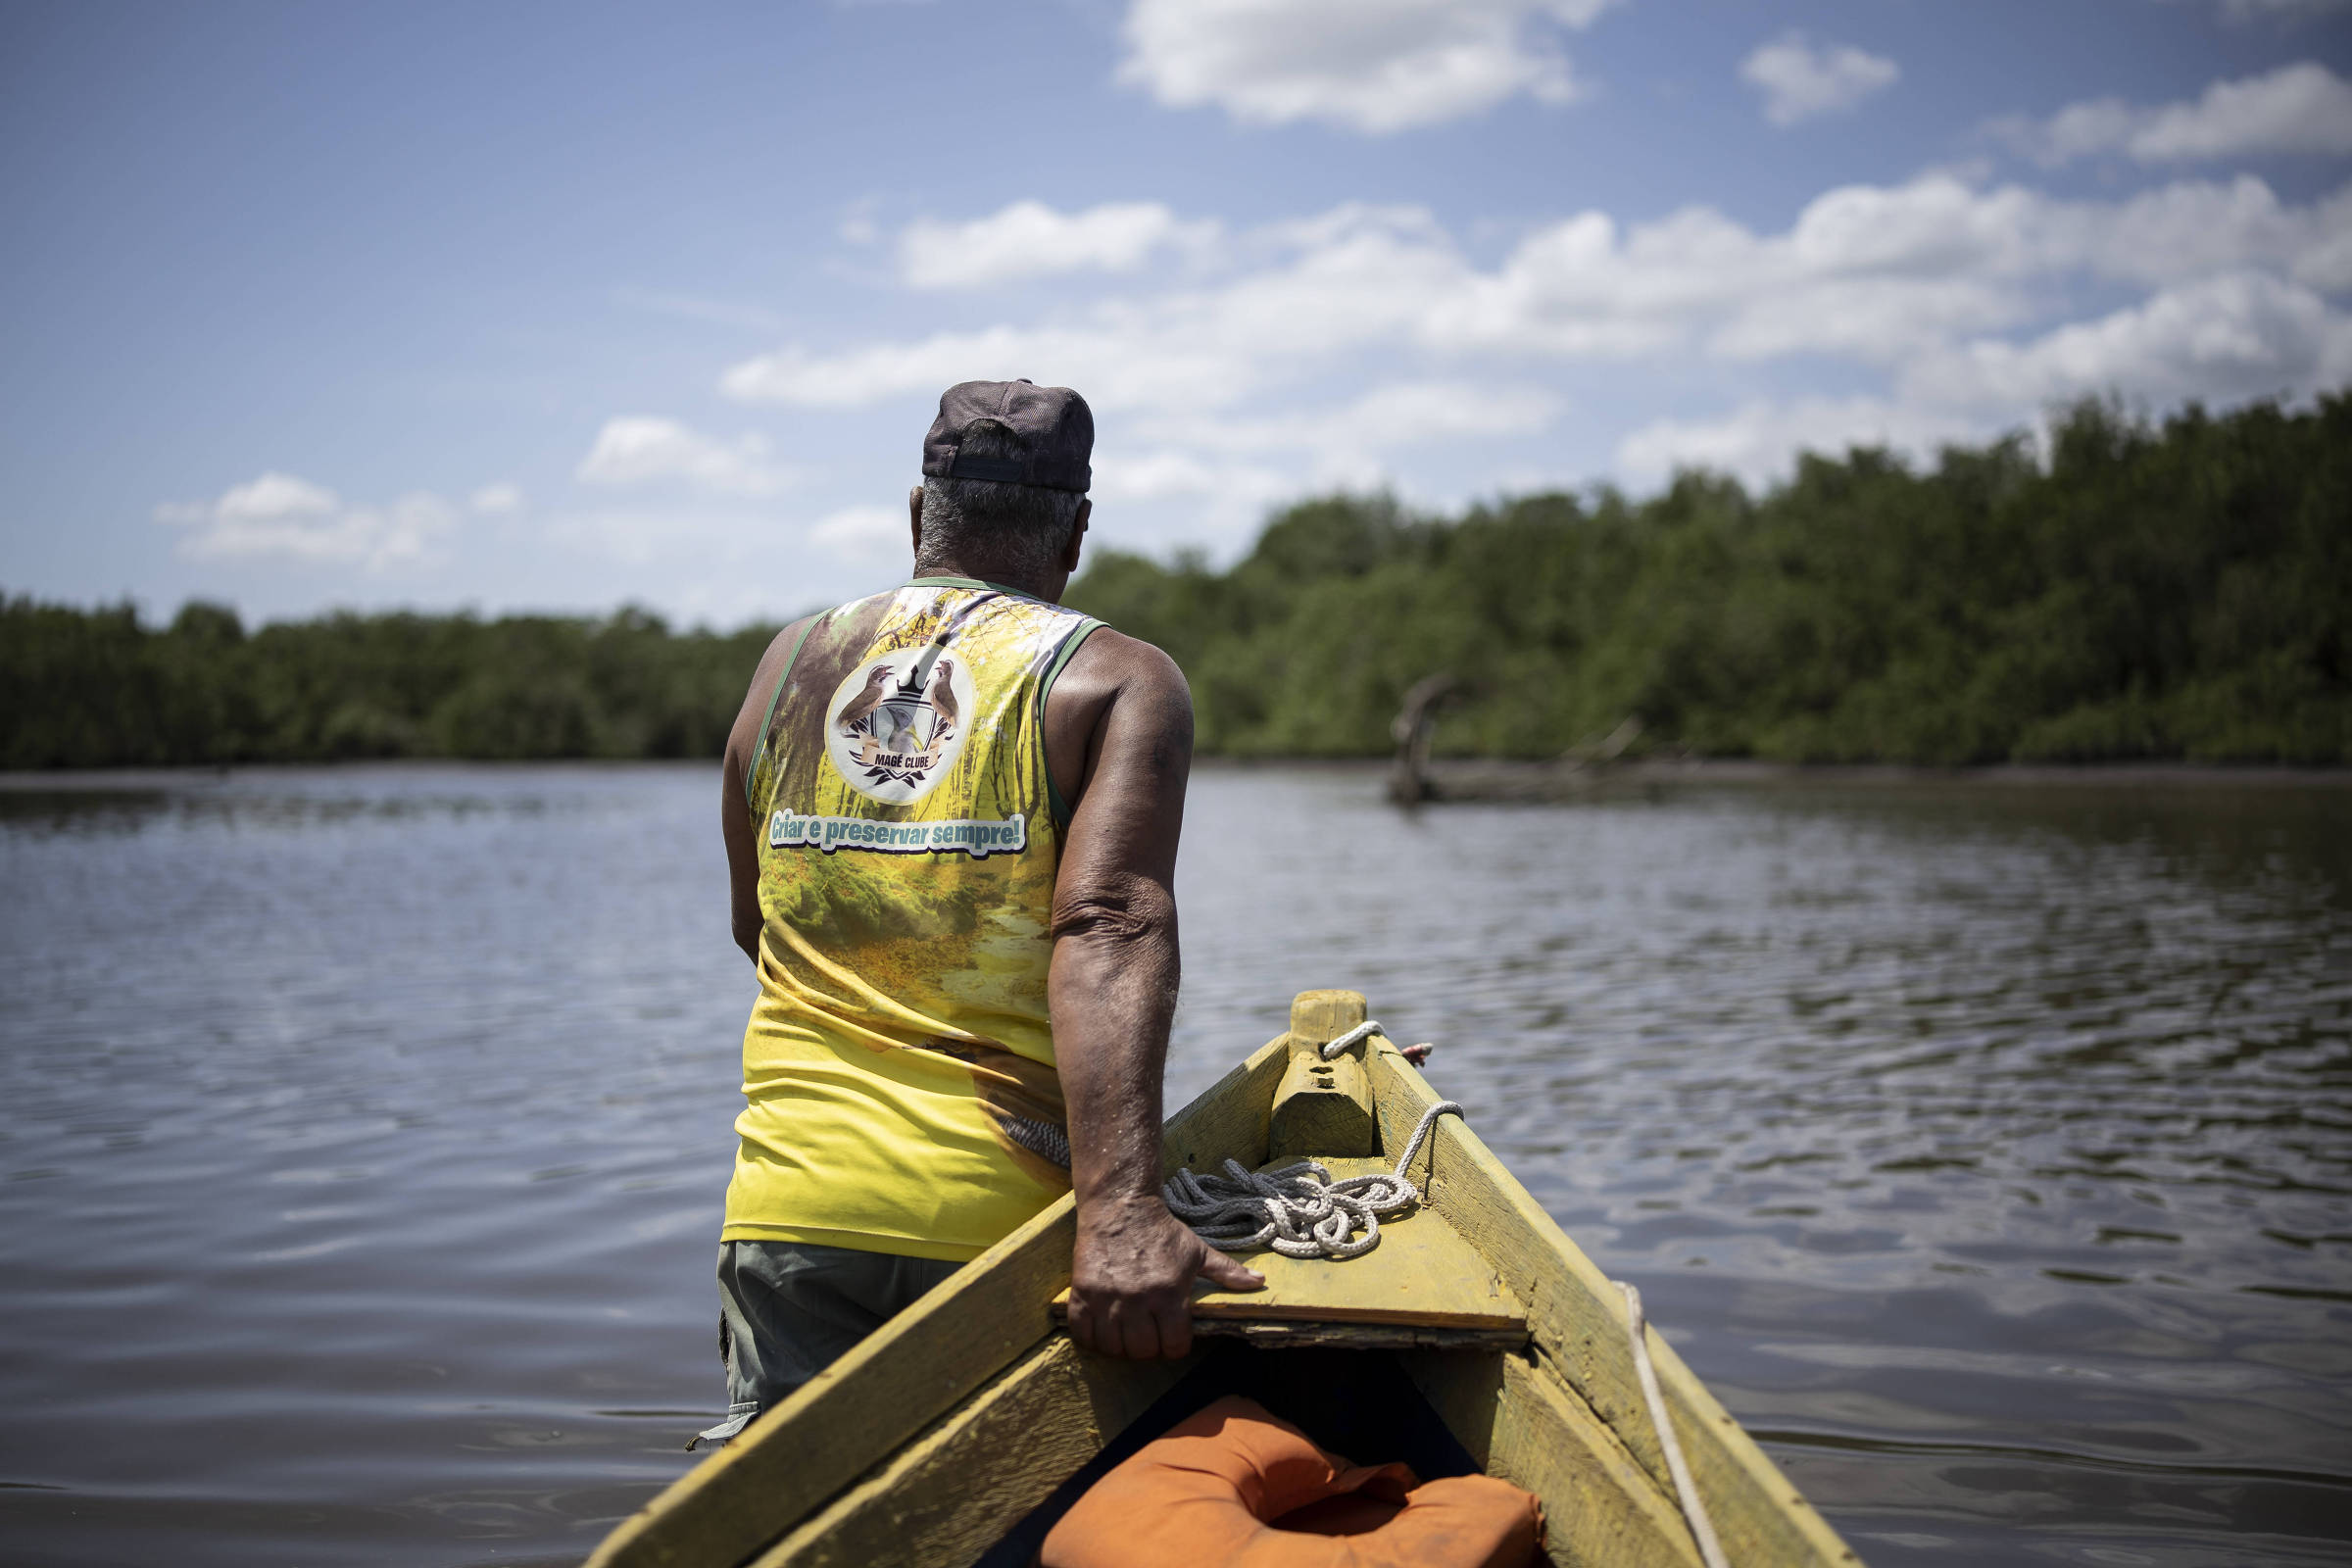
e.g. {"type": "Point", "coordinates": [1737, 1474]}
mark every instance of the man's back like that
{"type": "Point", "coordinates": [899, 1067]}
{"type": "Point", "coordinates": [951, 813]}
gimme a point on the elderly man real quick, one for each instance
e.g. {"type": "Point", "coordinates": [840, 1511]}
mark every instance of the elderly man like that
{"type": "Point", "coordinates": [950, 813]}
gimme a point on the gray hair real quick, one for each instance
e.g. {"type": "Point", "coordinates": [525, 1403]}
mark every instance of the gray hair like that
{"type": "Point", "coordinates": [1011, 530]}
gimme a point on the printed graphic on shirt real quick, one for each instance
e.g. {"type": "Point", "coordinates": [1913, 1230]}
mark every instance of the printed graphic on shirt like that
{"type": "Point", "coordinates": [977, 837]}
{"type": "Point", "coordinates": [894, 725]}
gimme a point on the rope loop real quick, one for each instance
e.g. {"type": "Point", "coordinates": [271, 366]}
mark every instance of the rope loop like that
{"type": "Point", "coordinates": [1299, 1211]}
{"type": "Point", "coordinates": [1362, 1031]}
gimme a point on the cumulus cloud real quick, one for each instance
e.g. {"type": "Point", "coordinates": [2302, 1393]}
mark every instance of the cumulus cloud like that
{"type": "Point", "coordinates": [1152, 475]}
{"type": "Point", "coordinates": [723, 538]}
{"type": "Point", "coordinates": [280, 516]}
{"type": "Point", "coordinates": [1120, 365]}
{"type": "Point", "coordinates": [1350, 278]}
{"type": "Point", "coordinates": [1350, 443]}
{"type": "Point", "coordinates": [2221, 339]}
{"type": "Point", "coordinates": [1799, 82]}
{"type": "Point", "coordinates": [1223, 496]}
{"type": "Point", "coordinates": [2323, 260]}
{"type": "Point", "coordinates": [642, 448]}
{"type": "Point", "coordinates": [1371, 66]}
{"type": "Point", "coordinates": [1239, 460]}
{"type": "Point", "coordinates": [1758, 441]}
{"type": "Point", "coordinates": [2303, 107]}
{"type": "Point", "coordinates": [497, 500]}
{"type": "Point", "coordinates": [2255, 10]}
{"type": "Point", "coordinates": [1875, 274]}
{"type": "Point", "coordinates": [1029, 239]}
{"type": "Point", "coordinates": [1324, 346]}
{"type": "Point", "coordinates": [863, 535]}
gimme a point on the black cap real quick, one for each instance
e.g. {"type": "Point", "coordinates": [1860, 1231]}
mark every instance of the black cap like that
{"type": "Point", "coordinates": [1054, 424]}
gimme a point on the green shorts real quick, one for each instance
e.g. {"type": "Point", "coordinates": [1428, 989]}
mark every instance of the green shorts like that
{"type": "Point", "coordinates": [789, 1310]}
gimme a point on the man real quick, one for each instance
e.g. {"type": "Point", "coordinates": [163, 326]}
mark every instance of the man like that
{"type": "Point", "coordinates": [950, 813]}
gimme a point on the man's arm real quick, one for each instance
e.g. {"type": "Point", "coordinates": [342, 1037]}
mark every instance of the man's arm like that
{"type": "Point", "coordinates": [1119, 723]}
{"type": "Point", "coordinates": [735, 822]}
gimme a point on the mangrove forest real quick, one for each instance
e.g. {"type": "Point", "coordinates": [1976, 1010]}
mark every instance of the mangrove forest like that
{"type": "Point", "coordinates": [2120, 589]}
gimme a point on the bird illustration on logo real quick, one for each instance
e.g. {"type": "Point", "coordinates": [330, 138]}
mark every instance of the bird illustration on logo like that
{"type": "Point", "coordinates": [877, 686]}
{"type": "Point", "coordinates": [942, 694]}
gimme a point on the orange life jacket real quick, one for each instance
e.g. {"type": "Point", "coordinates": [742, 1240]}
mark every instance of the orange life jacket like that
{"type": "Point", "coordinates": [1235, 1487]}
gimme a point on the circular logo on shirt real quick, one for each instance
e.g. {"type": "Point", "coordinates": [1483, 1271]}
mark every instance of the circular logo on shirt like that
{"type": "Point", "coordinates": [895, 725]}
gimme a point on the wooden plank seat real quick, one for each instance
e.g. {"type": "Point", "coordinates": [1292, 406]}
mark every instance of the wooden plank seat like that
{"type": "Point", "coordinates": [1422, 1286]}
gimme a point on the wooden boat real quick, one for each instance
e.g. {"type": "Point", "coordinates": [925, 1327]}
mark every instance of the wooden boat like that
{"type": "Point", "coordinates": [1474, 1336]}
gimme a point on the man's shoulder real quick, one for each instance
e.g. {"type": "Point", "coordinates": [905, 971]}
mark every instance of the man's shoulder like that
{"type": "Point", "coordinates": [780, 649]}
{"type": "Point", "coordinates": [1109, 663]}
{"type": "Point", "coordinates": [1122, 696]}
{"type": "Point", "coordinates": [748, 717]}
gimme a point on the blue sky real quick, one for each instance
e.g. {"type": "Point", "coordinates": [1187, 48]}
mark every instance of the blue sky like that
{"type": "Point", "coordinates": [557, 307]}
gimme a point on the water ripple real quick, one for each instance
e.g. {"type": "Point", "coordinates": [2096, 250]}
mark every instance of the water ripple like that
{"type": "Point", "coordinates": [1989, 1151]}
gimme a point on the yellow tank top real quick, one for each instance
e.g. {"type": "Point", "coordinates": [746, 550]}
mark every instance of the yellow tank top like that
{"type": "Point", "coordinates": [898, 1071]}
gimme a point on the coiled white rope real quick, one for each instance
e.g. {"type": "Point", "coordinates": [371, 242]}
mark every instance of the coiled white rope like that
{"type": "Point", "coordinates": [1695, 1512]}
{"type": "Point", "coordinates": [1299, 1211]}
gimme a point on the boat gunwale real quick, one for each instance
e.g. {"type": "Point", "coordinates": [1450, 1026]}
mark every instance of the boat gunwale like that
{"type": "Point", "coordinates": [1579, 1340]}
{"type": "Point", "coordinates": [1573, 1388]}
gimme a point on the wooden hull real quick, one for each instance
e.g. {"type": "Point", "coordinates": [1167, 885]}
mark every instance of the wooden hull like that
{"type": "Point", "coordinates": [945, 1429]}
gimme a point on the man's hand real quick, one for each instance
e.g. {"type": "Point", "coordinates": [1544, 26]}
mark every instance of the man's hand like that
{"type": "Point", "coordinates": [1130, 1280]}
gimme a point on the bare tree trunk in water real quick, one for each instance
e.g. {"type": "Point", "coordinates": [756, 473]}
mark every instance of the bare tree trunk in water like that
{"type": "Point", "coordinates": [1415, 722]}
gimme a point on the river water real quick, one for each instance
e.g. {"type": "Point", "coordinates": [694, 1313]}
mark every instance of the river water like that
{"type": "Point", "coordinates": [1988, 1148]}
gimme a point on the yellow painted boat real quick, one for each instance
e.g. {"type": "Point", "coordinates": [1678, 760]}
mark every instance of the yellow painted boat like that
{"type": "Point", "coordinates": [1476, 1335]}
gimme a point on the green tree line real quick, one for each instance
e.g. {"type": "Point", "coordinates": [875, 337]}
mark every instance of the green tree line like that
{"type": "Point", "coordinates": [2136, 591]}
{"type": "Point", "coordinates": [2139, 590]}
{"type": "Point", "coordinates": [95, 688]}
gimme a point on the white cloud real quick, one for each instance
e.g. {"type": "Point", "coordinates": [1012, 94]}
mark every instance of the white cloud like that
{"type": "Point", "coordinates": [1335, 348]}
{"type": "Point", "coordinates": [864, 535]}
{"type": "Point", "coordinates": [708, 536]}
{"type": "Point", "coordinates": [1874, 274]}
{"type": "Point", "coordinates": [1367, 65]}
{"type": "Point", "coordinates": [2193, 228]}
{"type": "Point", "coordinates": [497, 500]}
{"type": "Point", "coordinates": [1095, 359]}
{"type": "Point", "coordinates": [1350, 443]}
{"type": "Point", "coordinates": [280, 516]}
{"type": "Point", "coordinates": [1799, 82]}
{"type": "Point", "coordinates": [1352, 277]}
{"type": "Point", "coordinates": [2221, 339]}
{"type": "Point", "coordinates": [1866, 272]}
{"type": "Point", "coordinates": [1029, 239]}
{"type": "Point", "coordinates": [858, 225]}
{"type": "Point", "coordinates": [1871, 274]}
{"type": "Point", "coordinates": [2323, 258]}
{"type": "Point", "coordinates": [1152, 477]}
{"type": "Point", "coordinates": [1228, 497]}
{"type": "Point", "coordinates": [2255, 10]}
{"type": "Point", "coordinates": [1758, 441]}
{"type": "Point", "coordinates": [275, 497]}
{"type": "Point", "coordinates": [2302, 108]}
{"type": "Point", "coordinates": [641, 449]}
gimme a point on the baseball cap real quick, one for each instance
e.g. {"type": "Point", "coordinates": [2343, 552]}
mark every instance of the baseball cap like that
{"type": "Point", "coordinates": [1053, 423]}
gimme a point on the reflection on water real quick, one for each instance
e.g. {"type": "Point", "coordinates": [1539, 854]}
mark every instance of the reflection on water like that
{"type": "Point", "coordinates": [1987, 1149]}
